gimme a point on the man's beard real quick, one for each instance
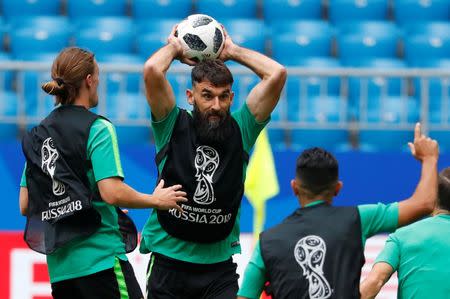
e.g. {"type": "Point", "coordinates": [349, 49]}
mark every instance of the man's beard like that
{"type": "Point", "coordinates": [212, 132]}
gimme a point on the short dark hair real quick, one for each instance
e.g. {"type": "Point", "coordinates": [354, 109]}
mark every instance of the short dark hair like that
{"type": "Point", "coordinates": [212, 70]}
{"type": "Point", "coordinates": [318, 170]}
{"type": "Point", "coordinates": [444, 189]}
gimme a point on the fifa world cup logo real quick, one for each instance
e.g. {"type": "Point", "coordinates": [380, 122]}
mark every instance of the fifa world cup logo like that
{"type": "Point", "coordinates": [310, 253]}
{"type": "Point", "coordinates": [206, 164]}
{"type": "Point", "coordinates": [49, 156]}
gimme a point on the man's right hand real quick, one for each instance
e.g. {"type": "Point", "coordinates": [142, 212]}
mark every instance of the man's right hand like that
{"type": "Point", "coordinates": [180, 53]}
{"type": "Point", "coordinates": [423, 147]}
{"type": "Point", "coordinates": [168, 198]}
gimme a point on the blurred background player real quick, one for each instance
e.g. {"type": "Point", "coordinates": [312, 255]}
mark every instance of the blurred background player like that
{"type": "Point", "coordinates": [318, 251]}
{"type": "Point", "coordinates": [419, 253]}
{"type": "Point", "coordinates": [206, 151]}
{"type": "Point", "coordinates": [72, 182]}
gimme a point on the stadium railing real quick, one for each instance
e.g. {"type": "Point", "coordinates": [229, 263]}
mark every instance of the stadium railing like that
{"type": "Point", "coordinates": [353, 115]}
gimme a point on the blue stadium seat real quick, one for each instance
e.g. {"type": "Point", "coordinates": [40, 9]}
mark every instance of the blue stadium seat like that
{"type": "Point", "coordinates": [300, 39]}
{"type": "Point", "coordinates": [289, 9]}
{"type": "Point", "coordinates": [21, 8]}
{"type": "Point", "coordinates": [220, 9]}
{"type": "Point", "coordinates": [242, 86]}
{"type": "Point", "coordinates": [39, 34]}
{"type": "Point", "coordinates": [3, 32]}
{"type": "Point", "coordinates": [389, 111]}
{"type": "Point", "coordinates": [427, 41]}
{"type": "Point", "coordinates": [298, 88]}
{"type": "Point", "coordinates": [325, 111]}
{"type": "Point", "coordinates": [106, 35]}
{"type": "Point", "coordinates": [151, 9]}
{"type": "Point", "coordinates": [8, 109]}
{"type": "Point", "coordinates": [129, 106]}
{"type": "Point", "coordinates": [6, 77]}
{"type": "Point", "coordinates": [37, 103]}
{"type": "Point", "coordinates": [119, 81]}
{"type": "Point", "coordinates": [86, 8]}
{"type": "Point", "coordinates": [249, 33]}
{"type": "Point", "coordinates": [358, 40]}
{"type": "Point", "coordinates": [152, 35]}
{"type": "Point", "coordinates": [412, 11]}
{"type": "Point", "coordinates": [180, 82]}
{"type": "Point", "coordinates": [353, 10]}
{"type": "Point", "coordinates": [438, 28]}
{"type": "Point", "coordinates": [438, 91]}
{"type": "Point", "coordinates": [373, 88]}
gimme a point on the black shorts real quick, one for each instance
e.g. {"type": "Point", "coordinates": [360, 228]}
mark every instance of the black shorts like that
{"type": "Point", "coordinates": [170, 278]}
{"type": "Point", "coordinates": [118, 282]}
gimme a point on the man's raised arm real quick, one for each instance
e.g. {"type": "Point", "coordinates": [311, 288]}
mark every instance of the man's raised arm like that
{"type": "Point", "coordinates": [159, 93]}
{"type": "Point", "coordinates": [263, 98]}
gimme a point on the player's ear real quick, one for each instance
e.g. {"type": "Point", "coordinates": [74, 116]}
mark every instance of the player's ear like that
{"type": "Point", "coordinates": [231, 97]}
{"type": "Point", "coordinates": [338, 187]}
{"type": "Point", "coordinates": [190, 96]}
{"type": "Point", "coordinates": [294, 187]}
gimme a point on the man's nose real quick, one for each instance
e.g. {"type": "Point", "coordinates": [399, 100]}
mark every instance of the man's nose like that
{"type": "Point", "coordinates": [216, 104]}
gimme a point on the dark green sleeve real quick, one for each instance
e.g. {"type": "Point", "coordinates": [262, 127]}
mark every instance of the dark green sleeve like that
{"type": "Point", "coordinates": [103, 150]}
{"type": "Point", "coordinates": [390, 253]}
{"type": "Point", "coordinates": [254, 276]}
{"type": "Point", "coordinates": [250, 128]}
{"type": "Point", "coordinates": [23, 180]}
{"type": "Point", "coordinates": [162, 129]}
{"type": "Point", "coordinates": [378, 218]}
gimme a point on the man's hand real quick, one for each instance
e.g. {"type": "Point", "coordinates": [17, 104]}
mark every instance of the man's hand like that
{"type": "Point", "coordinates": [168, 198]}
{"type": "Point", "coordinates": [423, 147]}
{"type": "Point", "coordinates": [180, 52]}
{"type": "Point", "coordinates": [228, 47]}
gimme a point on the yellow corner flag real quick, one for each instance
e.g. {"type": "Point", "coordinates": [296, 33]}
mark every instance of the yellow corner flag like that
{"type": "Point", "coordinates": [261, 182]}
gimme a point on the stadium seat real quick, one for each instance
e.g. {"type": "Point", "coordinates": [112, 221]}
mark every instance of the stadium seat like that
{"type": "Point", "coordinates": [86, 8]}
{"type": "Point", "coordinates": [151, 9]}
{"type": "Point", "coordinates": [128, 107]}
{"type": "Point", "coordinates": [8, 112]}
{"type": "Point", "coordinates": [274, 10]}
{"type": "Point", "coordinates": [242, 86]}
{"type": "Point", "coordinates": [6, 77]}
{"type": "Point", "coordinates": [39, 34]}
{"type": "Point", "coordinates": [220, 9]}
{"type": "Point", "coordinates": [120, 82]}
{"type": "Point", "coordinates": [397, 111]}
{"type": "Point", "coordinates": [180, 82]}
{"type": "Point", "coordinates": [413, 11]}
{"type": "Point", "coordinates": [323, 115]}
{"type": "Point", "coordinates": [432, 41]}
{"type": "Point", "coordinates": [358, 40]}
{"type": "Point", "coordinates": [300, 39]}
{"type": "Point", "coordinates": [249, 33]}
{"type": "Point", "coordinates": [3, 32]}
{"type": "Point", "coordinates": [298, 88]}
{"type": "Point", "coordinates": [22, 8]}
{"type": "Point", "coordinates": [438, 91]}
{"type": "Point", "coordinates": [363, 92]}
{"type": "Point", "coordinates": [357, 10]}
{"type": "Point", "coordinates": [102, 35]}
{"type": "Point", "coordinates": [152, 34]}
{"type": "Point", "coordinates": [37, 103]}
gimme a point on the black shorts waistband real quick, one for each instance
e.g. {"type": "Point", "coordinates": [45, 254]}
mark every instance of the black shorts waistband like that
{"type": "Point", "coordinates": [172, 263]}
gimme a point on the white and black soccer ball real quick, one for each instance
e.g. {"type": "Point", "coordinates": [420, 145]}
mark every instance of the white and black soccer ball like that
{"type": "Point", "coordinates": [201, 36]}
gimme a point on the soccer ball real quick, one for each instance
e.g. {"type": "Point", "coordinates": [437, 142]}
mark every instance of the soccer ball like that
{"type": "Point", "coordinates": [201, 36]}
